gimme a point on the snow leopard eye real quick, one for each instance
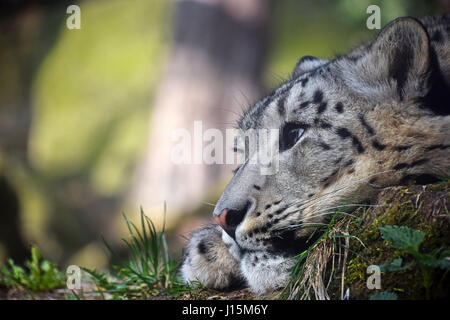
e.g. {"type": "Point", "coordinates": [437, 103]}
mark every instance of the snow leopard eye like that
{"type": "Point", "coordinates": [290, 135]}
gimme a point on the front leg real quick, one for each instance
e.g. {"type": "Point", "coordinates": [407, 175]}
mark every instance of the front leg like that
{"type": "Point", "coordinates": [267, 272]}
{"type": "Point", "coordinates": [212, 260]}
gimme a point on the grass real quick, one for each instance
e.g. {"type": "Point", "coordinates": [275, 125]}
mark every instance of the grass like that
{"type": "Point", "coordinates": [38, 276]}
{"type": "Point", "coordinates": [149, 273]}
{"type": "Point", "coordinates": [302, 272]}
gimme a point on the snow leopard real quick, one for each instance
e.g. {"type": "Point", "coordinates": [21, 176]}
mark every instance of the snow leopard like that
{"type": "Point", "coordinates": [376, 117]}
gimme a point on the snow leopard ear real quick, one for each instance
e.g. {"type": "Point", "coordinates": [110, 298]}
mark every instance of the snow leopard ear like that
{"type": "Point", "coordinates": [307, 64]}
{"type": "Point", "coordinates": [396, 64]}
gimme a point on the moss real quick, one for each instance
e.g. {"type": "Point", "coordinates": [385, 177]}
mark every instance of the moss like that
{"type": "Point", "coordinates": [423, 208]}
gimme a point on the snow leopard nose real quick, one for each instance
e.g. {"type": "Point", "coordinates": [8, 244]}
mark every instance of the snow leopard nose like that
{"type": "Point", "coordinates": [229, 219]}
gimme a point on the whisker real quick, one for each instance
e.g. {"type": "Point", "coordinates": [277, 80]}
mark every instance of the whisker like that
{"type": "Point", "coordinates": [229, 110]}
{"type": "Point", "coordinates": [342, 206]}
{"type": "Point", "coordinates": [324, 196]}
{"type": "Point", "coordinates": [211, 204]}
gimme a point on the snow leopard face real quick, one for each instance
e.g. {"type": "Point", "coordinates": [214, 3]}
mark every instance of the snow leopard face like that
{"type": "Point", "coordinates": [346, 127]}
{"type": "Point", "coordinates": [376, 117]}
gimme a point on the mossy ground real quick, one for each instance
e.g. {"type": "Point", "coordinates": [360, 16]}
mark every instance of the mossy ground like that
{"type": "Point", "coordinates": [424, 208]}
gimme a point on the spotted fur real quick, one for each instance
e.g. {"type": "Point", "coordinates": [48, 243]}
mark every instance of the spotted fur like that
{"type": "Point", "coordinates": [376, 117]}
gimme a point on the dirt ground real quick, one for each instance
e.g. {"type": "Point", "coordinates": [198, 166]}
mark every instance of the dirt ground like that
{"type": "Point", "coordinates": [62, 294]}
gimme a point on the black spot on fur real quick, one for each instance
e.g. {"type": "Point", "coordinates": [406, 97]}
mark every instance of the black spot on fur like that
{"type": "Point", "coordinates": [357, 144]}
{"type": "Point", "coordinates": [339, 107]}
{"type": "Point", "coordinates": [304, 104]}
{"type": "Point", "coordinates": [310, 195]}
{"type": "Point", "coordinates": [203, 250]}
{"type": "Point", "coordinates": [368, 128]}
{"type": "Point", "coordinates": [419, 179]}
{"type": "Point", "coordinates": [325, 146]}
{"type": "Point", "coordinates": [304, 81]}
{"type": "Point", "coordinates": [325, 125]}
{"type": "Point", "coordinates": [343, 133]}
{"type": "Point", "coordinates": [256, 187]}
{"type": "Point", "coordinates": [287, 243]}
{"type": "Point", "coordinates": [284, 88]}
{"type": "Point", "coordinates": [337, 161]}
{"type": "Point", "coordinates": [401, 148]}
{"type": "Point", "coordinates": [267, 206]}
{"type": "Point", "coordinates": [258, 214]}
{"type": "Point", "coordinates": [437, 36]}
{"type": "Point", "coordinates": [351, 171]}
{"type": "Point", "coordinates": [318, 96]}
{"type": "Point", "coordinates": [403, 165]}
{"type": "Point", "coordinates": [264, 104]}
{"type": "Point", "coordinates": [400, 166]}
{"type": "Point", "coordinates": [281, 107]}
{"type": "Point", "coordinates": [418, 162]}
{"type": "Point", "coordinates": [348, 163]}
{"type": "Point", "coordinates": [353, 58]}
{"type": "Point", "coordinates": [377, 145]}
{"type": "Point", "coordinates": [236, 283]}
{"type": "Point", "coordinates": [304, 59]}
{"type": "Point", "coordinates": [280, 210]}
{"type": "Point", "coordinates": [437, 146]}
{"type": "Point", "coordinates": [335, 172]}
{"type": "Point", "coordinates": [322, 107]}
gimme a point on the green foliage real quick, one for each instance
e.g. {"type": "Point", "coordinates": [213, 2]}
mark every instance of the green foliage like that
{"type": "Point", "coordinates": [149, 272]}
{"type": "Point", "coordinates": [383, 295]}
{"type": "Point", "coordinates": [42, 275]}
{"type": "Point", "coordinates": [403, 238]}
{"type": "Point", "coordinates": [408, 241]}
{"type": "Point", "coordinates": [395, 265]}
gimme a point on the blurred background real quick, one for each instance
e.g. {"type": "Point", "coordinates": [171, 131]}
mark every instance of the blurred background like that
{"type": "Point", "coordinates": [86, 115]}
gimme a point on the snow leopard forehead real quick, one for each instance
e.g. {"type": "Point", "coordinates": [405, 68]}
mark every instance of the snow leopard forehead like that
{"type": "Point", "coordinates": [295, 89]}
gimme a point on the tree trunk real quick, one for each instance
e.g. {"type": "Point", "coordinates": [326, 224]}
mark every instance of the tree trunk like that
{"type": "Point", "coordinates": [213, 71]}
